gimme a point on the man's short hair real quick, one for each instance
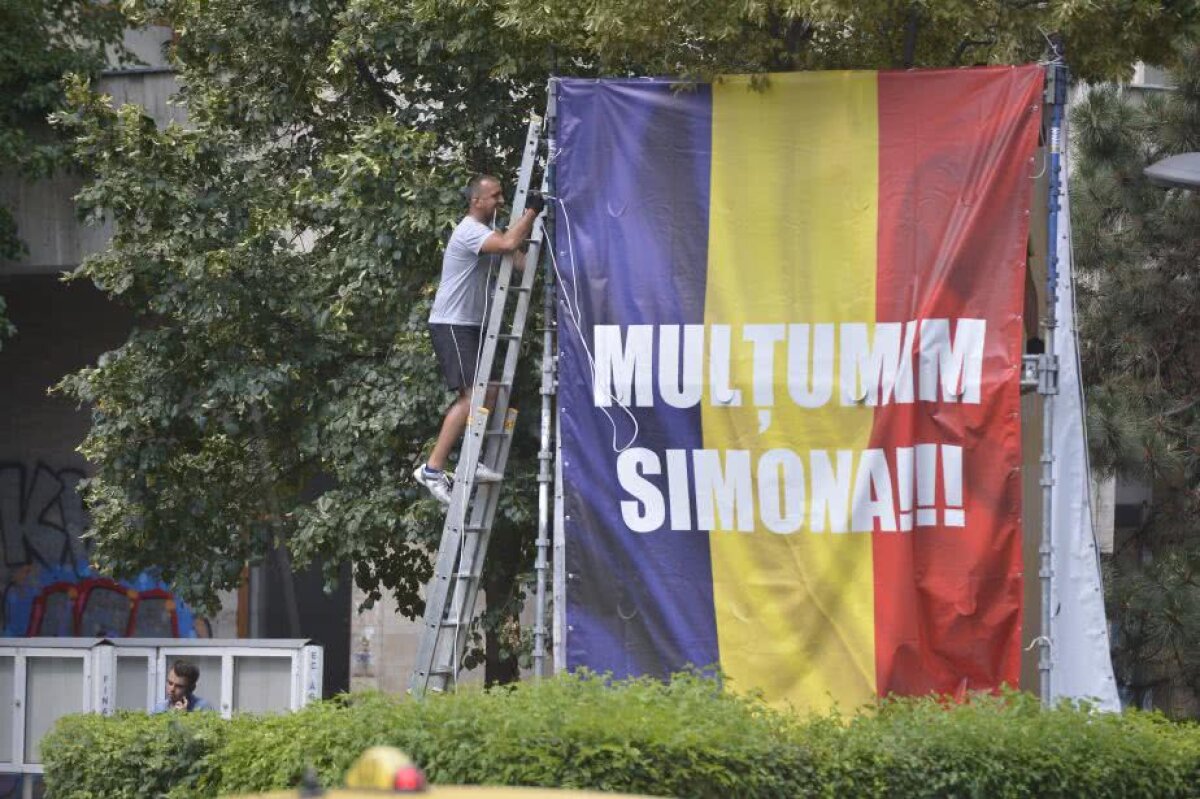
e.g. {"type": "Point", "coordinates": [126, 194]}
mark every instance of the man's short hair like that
{"type": "Point", "coordinates": [188, 671]}
{"type": "Point", "coordinates": [475, 185]}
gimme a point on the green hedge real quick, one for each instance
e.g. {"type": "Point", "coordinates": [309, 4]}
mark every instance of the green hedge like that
{"type": "Point", "coordinates": [685, 738]}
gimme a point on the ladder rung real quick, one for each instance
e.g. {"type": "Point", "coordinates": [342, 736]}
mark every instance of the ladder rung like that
{"type": "Point", "coordinates": [508, 336]}
{"type": "Point", "coordinates": [479, 486]}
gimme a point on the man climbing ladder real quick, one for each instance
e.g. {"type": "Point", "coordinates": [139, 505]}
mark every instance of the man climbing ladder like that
{"type": "Point", "coordinates": [457, 317]}
{"type": "Point", "coordinates": [458, 567]}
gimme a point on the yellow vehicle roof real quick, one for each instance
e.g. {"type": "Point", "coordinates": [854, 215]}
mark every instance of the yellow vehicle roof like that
{"type": "Point", "coordinates": [452, 792]}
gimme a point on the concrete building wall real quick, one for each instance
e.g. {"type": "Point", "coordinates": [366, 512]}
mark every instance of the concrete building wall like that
{"type": "Point", "coordinates": [62, 328]}
{"type": "Point", "coordinates": [383, 646]}
{"type": "Point", "coordinates": [44, 211]}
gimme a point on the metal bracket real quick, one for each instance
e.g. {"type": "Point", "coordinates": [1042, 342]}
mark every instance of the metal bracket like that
{"type": "Point", "coordinates": [1040, 373]}
{"type": "Point", "coordinates": [1052, 78]}
{"type": "Point", "coordinates": [1048, 374]}
{"type": "Point", "coordinates": [1058, 82]}
{"type": "Point", "coordinates": [1029, 373]}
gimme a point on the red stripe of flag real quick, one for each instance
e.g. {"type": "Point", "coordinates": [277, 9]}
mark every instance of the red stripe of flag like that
{"type": "Point", "coordinates": [954, 193]}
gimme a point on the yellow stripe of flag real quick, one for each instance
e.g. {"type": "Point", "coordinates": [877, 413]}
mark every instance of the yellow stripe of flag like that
{"type": "Point", "coordinates": [792, 238]}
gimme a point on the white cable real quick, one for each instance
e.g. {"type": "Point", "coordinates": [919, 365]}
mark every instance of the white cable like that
{"type": "Point", "coordinates": [573, 313]}
{"type": "Point", "coordinates": [1045, 162]}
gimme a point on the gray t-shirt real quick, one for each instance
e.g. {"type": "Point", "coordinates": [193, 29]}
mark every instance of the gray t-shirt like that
{"type": "Point", "coordinates": [462, 294]}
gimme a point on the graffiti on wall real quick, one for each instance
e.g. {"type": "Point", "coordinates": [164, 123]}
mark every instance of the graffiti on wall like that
{"type": "Point", "coordinates": [41, 516]}
{"type": "Point", "coordinates": [49, 589]}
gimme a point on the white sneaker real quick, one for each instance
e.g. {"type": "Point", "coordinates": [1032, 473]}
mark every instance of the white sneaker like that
{"type": "Point", "coordinates": [439, 484]}
{"type": "Point", "coordinates": [485, 475]}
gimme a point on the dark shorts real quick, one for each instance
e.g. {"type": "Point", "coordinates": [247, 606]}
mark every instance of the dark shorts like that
{"type": "Point", "coordinates": [457, 347]}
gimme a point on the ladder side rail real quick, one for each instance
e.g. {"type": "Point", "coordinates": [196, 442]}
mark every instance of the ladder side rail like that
{"type": "Point", "coordinates": [455, 536]}
{"type": "Point", "coordinates": [445, 582]}
{"type": "Point", "coordinates": [487, 497]}
{"type": "Point", "coordinates": [521, 314]}
{"type": "Point", "coordinates": [513, 339]}
{"type": "Point", "coordinates": [460, 614]}
{"type": "Point", "coordinates": [495, 448]}
{"type": "Point", "coordinates": [472, 449]}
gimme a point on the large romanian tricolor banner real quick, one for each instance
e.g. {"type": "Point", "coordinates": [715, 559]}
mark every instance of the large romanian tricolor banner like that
{"type": "Point", "coordinates": [790, 338]}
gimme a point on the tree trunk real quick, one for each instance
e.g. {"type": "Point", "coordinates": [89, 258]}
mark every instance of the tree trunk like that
{"type": "Point", "coordinates": [501, 571]}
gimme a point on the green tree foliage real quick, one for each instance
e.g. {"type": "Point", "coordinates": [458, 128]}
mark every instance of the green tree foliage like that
{"type": "Point", "coordinates": [1104, 37]}
{"type": "Point", "coordinates": [281, 250]}
{"type": "Point", "coordinates": [1138, 250]}
{"type": "Point", "coordinates": [40, 41]}
{"type": "Point", "coordinates": [280, 253]}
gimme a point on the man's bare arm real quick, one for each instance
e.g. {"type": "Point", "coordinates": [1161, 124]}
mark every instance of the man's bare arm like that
{"type": "Point", "coordinates": [503, 243]}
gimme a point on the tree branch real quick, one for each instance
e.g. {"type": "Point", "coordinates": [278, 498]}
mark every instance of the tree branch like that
{"type": "Point", "coordinates": [794, 33]}
{"type": "Point", "coordinates": [377, 90]}
{"type": "Point", "coordinates": [1187, 406]}
{"type": "Point", "coordinates": [967, 44]}
{"type": "Point", "coordinates": [912, 26]}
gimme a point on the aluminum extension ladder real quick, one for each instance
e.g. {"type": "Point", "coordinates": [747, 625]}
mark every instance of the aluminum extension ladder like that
{"type": "Point", "coordinates": [451, 594]}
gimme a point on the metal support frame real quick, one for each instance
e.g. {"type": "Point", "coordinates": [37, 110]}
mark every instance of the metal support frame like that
{"type": "Point", "coordinates": [1047, 373]}
{"type": "Point", "coordinates": [559, 557]}
{"type": "Point", "coordinates": [550, 512]}
{"type": "Point", "coordinates": [546, 453]}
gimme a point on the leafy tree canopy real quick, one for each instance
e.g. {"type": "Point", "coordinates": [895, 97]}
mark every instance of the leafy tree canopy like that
{"type": "Point", "coordinates": [281, 250]}
{"type": "Point", "coordinates": [1104, 37]}
{"type": "Point", "coordinates": [1138, 248]}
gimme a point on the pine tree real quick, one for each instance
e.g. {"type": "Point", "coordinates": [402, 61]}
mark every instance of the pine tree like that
{"type": "Point", "coordinates": [1138, 254]}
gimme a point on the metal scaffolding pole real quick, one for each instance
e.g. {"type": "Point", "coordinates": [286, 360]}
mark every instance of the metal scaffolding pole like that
{"type": "Point", "coordinates": [1056, 94]}
{"type": "Point", "coordinates": [546, 453]}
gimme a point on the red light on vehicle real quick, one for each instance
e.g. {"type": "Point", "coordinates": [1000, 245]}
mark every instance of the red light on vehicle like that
{"type": "Point", "coordinates": [409, 779]}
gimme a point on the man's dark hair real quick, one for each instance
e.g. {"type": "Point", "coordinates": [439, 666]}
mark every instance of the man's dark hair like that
{"type": "Point", "coordinates": [475, 185]}
{"type": "Point", "coordinates": [188, 671]}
